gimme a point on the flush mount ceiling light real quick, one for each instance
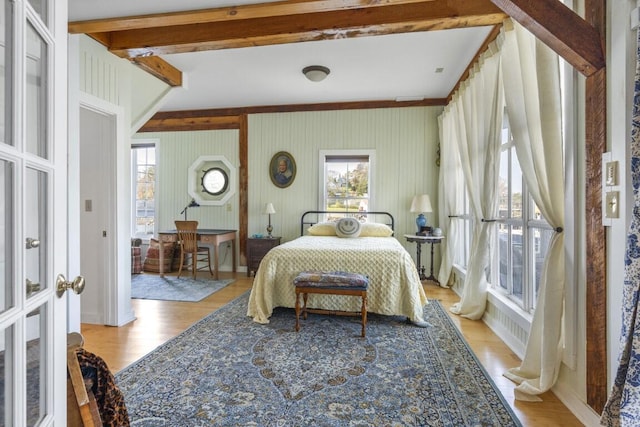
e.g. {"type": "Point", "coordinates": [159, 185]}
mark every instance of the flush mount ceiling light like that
{"type": "Point", "coordinates": [316, 73]}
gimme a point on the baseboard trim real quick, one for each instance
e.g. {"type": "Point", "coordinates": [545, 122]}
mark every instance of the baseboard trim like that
{"type": "Point", "coordinates": [129, 317]}
{"type": "Point", "coordinates": [580, 409]}
{"type": "Point", "coordinates": [91, 318]}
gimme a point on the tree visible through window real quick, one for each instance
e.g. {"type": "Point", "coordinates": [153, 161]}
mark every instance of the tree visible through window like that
{"type": "Point", "coordinates": [143, 160]}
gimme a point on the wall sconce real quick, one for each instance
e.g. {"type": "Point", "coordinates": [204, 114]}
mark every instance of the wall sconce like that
{"type": "Point", "coordinates": [268, 209]}
{"type": "Point", "coordinates": [421, 204]}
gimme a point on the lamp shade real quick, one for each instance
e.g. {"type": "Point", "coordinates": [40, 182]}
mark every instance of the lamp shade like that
{"type": "Point", "coordinates": [421, 203]}
{"type": "Point", "coordinates": [268, 208]}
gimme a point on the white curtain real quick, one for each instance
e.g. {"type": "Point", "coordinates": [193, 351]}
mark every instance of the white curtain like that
{"type": "Point", "coordinates": [480, 106]}
{"type": "Point", "coordinates": [531, 79]}
{"type": "Point", "coordinates": [451, 194]}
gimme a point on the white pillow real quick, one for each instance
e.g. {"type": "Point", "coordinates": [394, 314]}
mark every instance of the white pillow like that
{"type": "Point", "coordinates": [375, 229]}
{"type": "Point", "coordinates": [348, 227]}
{"type": "Point", "coordinates": [322, 229]}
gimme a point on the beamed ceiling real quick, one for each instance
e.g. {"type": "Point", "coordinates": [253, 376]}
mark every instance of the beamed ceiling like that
{"type": "Point", "coordinates": [382, 53]}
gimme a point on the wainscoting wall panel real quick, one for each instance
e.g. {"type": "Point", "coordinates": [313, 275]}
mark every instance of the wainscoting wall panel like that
{"type": "Point", "coordinates": [504, 318]}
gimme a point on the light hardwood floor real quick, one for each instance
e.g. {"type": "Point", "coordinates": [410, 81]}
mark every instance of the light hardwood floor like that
{"type": "Point", "coordinates": [159, 321]}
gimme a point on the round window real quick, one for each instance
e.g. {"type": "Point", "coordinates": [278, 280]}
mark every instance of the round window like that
{"type": "Point", "coordinates": [215, 181]}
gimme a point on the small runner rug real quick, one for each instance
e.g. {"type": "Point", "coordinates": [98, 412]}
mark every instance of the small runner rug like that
{"type": "Point", "coordinates": [170, 288]}
{"type": "Point", "coordinates": [227, 370]}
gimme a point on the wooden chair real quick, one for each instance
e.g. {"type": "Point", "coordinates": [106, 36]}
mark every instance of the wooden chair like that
{"type": "Point", "coordinates": [82, 409]}
{"type": "Point", "coordinates": [190, 253]}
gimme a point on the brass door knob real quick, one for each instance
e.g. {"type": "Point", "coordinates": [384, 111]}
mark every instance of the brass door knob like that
{"type": "Point", "coordinates": [77, 286]}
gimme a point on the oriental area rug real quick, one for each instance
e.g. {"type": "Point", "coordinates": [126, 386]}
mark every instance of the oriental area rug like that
{"type": "Point", "coordinates": [171, 288]}
{"type": "Point", "coordinates": [227, 370]}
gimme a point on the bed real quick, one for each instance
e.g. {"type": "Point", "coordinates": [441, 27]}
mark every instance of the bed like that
{"type": "Point", "coordinates": [394, 284]}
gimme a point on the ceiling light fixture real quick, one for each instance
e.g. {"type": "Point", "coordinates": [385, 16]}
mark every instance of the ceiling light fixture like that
{"type": "Point", "coordinates": [316, 73]}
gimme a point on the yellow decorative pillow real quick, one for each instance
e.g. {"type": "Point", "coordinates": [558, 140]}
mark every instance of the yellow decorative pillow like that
{"type": "Point", "coordinates": [322, 229]}
{"type": "Point", "coordinates": [374, 229]}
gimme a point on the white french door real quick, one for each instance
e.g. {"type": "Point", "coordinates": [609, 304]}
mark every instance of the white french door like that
{"type": "Point", "coordinates": [33, 212]}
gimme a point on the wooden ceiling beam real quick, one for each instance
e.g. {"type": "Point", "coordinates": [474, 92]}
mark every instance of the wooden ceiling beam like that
{"type": "Point", "coordinates": [278, 27]}
{"type": "Point", "coordinates": [560, 28]}
{"type": "Point", "coordinates": [160, 68]}
{"type": "Point", "coordinates": [227, 118]}
{"type": "Point", "coordinates": [185, 122]}
{"type": "Point", "coordinates": [232, 13]}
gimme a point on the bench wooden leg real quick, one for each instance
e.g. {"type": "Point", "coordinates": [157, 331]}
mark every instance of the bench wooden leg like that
{"type": "Point", "coordinates": [305, 296]}
{"type": "Point", "coordinates": [297, 311]}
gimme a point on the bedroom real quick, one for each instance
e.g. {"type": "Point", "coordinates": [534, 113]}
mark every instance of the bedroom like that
{"type": "Point", "coordinates": [410, 126]}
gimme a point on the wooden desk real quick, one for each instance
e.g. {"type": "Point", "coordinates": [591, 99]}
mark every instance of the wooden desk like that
{"type": "Point", "coordinates": [419, 240]}
{"type": "Point", "coordinates": [205, 235]}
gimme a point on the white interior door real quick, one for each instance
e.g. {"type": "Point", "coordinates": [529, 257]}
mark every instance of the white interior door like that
{"type": "Point", "coordinates": [33, 212]}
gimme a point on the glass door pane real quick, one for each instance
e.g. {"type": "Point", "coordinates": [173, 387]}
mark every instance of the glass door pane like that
{"type": "Point", "coordinates": [36, 101]}
{"type": "Point", "coordinates": [6, 81]}
{"type": "Point", "coordinates": [36, 351]}
{"type": "Point", "coordinates": [7, 237]}
{"type": "Point", "coordinates": [40, 7]}
{"type": "Point", "coordinates": [36, 231]}
{"type": "Point", "coordinates": [7, 377]}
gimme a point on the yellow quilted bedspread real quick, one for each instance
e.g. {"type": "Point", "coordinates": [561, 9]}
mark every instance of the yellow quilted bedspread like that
{"type": "Point", "coordinates": [394, 284]}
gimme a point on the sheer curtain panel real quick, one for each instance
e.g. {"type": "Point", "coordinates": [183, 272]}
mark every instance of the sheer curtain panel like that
{"type": "Point", "coordinates": [479, 104]}
{"type": "Point", "coordinates": [531, 76]}
{"type": "Point", "coordinates": [451, 195]}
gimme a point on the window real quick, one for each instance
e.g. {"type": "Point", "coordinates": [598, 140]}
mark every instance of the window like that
{"type": "Point", "coordinates": [523, 235]}
{"type": "Point", "coordinates": [346, 179]}
{"type": "Point", "coordinates": [465, 237]}
{"type": "Point", "coordinates": [143, 161]}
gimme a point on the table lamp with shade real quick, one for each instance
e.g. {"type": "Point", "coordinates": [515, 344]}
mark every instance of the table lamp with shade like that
{"type": "Point", "coordinates": [268, 209]}
{"type": "Point", "coordinates": [421, 204]}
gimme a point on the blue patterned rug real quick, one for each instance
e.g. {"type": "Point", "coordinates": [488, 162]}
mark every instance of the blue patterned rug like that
{"type": "Point", "coordinates": [227, 370]}
{"type": "Point", "coordinates": [170, 288]}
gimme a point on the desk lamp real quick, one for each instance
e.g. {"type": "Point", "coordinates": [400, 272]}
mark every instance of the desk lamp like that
{"type": "Point", "coordinates": [192, 204]}
{"type": "Point", "coordinates": [421, 204]}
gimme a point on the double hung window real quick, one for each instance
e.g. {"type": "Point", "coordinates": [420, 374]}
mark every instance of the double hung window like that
{"type": "Point", "coordinates": [143, 161]}
{"type": "Point", "coordinates": [346, 180]}
{"type": "Point", "coordinates": [522, 234]}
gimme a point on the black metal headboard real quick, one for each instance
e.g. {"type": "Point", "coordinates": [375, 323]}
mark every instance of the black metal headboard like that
{"type": "Point", "coordinates": [313, 217]}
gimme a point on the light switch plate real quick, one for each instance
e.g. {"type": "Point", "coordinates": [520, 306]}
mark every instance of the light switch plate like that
{"type": "Point", "coordinates": [613, 204]}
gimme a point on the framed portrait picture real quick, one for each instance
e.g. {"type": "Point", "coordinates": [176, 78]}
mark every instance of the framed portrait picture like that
{"type": "Point", "coordinates": [282, 169]}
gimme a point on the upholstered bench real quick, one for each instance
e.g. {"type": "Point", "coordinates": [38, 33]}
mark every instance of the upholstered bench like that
{"type": "Point", "coordinates": [333, 283]}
